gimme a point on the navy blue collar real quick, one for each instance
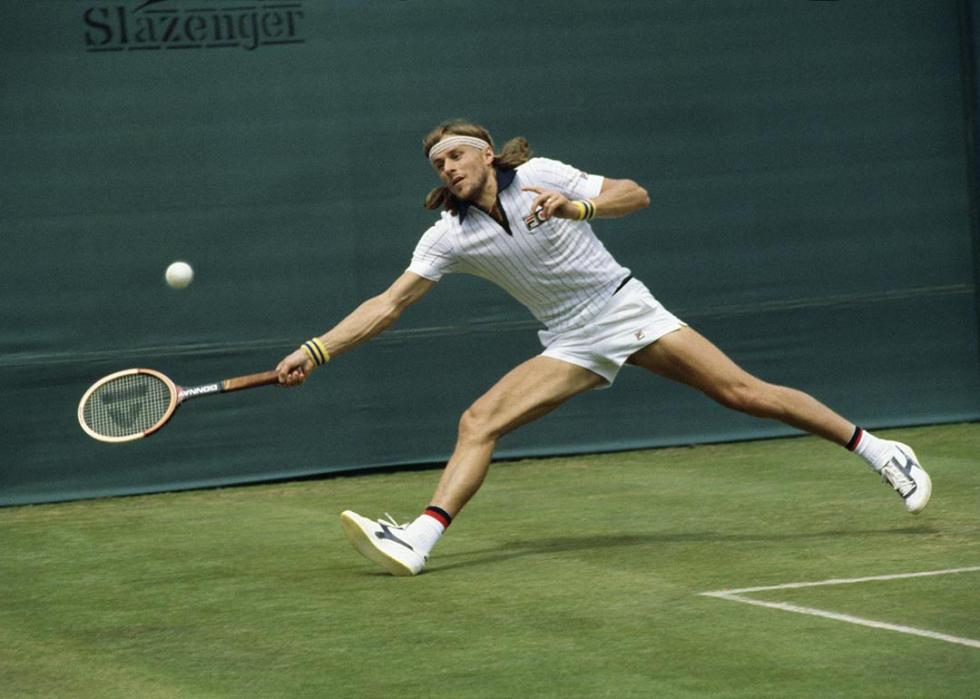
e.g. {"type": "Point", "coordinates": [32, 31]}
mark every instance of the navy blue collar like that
{"type": "Point", "coordinates": [504, 179]}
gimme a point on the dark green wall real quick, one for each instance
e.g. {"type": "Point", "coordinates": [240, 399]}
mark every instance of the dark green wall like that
{"type": "Point", "coordinates": [808, 164]}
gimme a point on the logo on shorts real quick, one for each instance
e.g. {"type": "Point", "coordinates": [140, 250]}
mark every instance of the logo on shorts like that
{"type": "Point", "coordinates": [639, 334]}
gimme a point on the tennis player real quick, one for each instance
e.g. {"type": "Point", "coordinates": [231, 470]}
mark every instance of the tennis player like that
{"type": "Point", "coordinates": [525, 224]}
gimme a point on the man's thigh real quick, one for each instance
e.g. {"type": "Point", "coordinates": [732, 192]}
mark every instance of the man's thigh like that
{"type": "Point", "coordinates": [530, 390]}
{"type": "Point", "coordinates": [688, 357]}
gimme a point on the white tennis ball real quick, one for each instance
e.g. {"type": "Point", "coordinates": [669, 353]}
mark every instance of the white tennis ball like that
{"type": "Point", "coordinates": [179, 275]}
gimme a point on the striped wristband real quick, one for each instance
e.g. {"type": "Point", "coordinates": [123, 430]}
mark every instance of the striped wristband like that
{"type": "Point", "coordinates": [316, 351]}
{"type": "Point", "coordinates": [586, 209]}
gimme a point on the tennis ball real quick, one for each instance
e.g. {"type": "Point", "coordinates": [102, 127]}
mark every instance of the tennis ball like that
{"type": "Point", "coordinates": [179, 275]}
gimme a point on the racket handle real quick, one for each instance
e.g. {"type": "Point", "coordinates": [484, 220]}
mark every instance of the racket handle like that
{"type": "Point", "coordinates": [250, 381]}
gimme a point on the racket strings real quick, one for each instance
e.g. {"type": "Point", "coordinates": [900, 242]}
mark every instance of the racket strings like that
{"type": "Point", "coordinates": [126, 406]}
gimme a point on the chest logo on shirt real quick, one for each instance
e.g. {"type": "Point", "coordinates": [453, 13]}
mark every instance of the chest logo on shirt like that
{"type": "Point", "coordinates": [533, 220]}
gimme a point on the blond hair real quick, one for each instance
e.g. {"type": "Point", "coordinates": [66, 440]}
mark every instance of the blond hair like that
{"type": "Point", "coordinates": [513, 153]}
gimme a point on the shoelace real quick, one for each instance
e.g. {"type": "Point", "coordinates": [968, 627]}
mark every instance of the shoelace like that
{"type": "Point", "coordinates": [393, 523]}
{"type": "Point", "coordinates": [896, 478]}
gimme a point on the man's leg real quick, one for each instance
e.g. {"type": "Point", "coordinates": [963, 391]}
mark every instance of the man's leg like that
{"type": "Point", "coordinates": [527, 392]}
{"type": "Point", "coordinates": [686, 356]}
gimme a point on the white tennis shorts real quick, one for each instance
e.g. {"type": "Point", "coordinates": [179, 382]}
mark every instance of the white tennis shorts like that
{"type": "Point", "coordinates": [631, 320]}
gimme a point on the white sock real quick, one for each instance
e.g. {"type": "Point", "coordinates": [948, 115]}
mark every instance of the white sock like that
{"type": "Point", "coordinates": [877, 452]}
{"type": "Point", "coordinates": [425, 531]}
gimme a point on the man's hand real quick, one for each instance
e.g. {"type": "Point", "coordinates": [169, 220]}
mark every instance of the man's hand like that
{"type": "Point", "coordinates": [294, 368]}
{"type": "Point", "coordinates": [616, 198]}
{"type": "Point", "coordinates": [550, 203]}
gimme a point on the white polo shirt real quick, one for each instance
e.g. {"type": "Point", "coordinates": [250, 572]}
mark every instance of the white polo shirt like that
{"type": "Point", "coordinates": [559, 269]}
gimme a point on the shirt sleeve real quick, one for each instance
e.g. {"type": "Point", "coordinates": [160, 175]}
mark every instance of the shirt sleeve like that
{"type": "Point", "coordinates": [434, 256]}
{"type": "Point", "coordinates": [570, 181]}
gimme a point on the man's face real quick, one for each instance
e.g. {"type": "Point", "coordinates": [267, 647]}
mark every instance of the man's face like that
{"type": "Point", "coordinates": [464, 170]}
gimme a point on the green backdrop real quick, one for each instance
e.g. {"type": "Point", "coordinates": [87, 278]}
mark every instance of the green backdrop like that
{"type": "Point", "coordinates": [809, 165]}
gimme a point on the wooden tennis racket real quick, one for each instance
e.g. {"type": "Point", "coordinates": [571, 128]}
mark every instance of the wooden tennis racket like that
{"type": "Point", "coordinates": [135, 403]}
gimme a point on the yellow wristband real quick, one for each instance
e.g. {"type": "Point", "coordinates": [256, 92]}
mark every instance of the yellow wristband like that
{"type": "Point", "coordinates": [316, 351]}
{"type": "Point", "coordinates": [323, 350]}
{"type": "Point", "coordinates": [590, 210]}
{"type": "Point", "coordinates": [586, 208]}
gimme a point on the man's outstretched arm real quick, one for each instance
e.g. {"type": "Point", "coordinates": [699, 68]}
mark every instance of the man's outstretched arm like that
{"type": "Point", "coordinates": [364, 322]}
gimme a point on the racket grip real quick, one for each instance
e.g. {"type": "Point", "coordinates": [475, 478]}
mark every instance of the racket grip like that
{"type": "Point", "coordinates": [250, 381]}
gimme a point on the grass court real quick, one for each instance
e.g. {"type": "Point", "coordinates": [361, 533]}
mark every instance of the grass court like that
{"type": "Point", "coordinates": [565, 577]}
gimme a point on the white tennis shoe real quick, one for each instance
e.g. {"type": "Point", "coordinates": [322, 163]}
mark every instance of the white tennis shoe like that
{"type": "Point", "coordinates": [385, 543]}
{"type": "Point", "coordinates": [905, 474]}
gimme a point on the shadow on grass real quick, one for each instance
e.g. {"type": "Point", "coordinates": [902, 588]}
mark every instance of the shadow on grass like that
{"type": "Point", "coordinates": [522, 549]}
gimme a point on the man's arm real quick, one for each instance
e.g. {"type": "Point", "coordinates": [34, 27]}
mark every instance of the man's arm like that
{"type": "Point", "coordinates": [620, 197]}
{"type": "Point", "coordinates": [616, 198]}
{"type": "Point", "coordinates": [364, 322]}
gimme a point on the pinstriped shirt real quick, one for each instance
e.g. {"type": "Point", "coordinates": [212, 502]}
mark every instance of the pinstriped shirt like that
{"type": "Point", "coordinates": [558, 269]}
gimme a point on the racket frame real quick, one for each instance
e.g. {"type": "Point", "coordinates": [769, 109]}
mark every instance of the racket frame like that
{"type": "Point", "coordinates": [174, 402]}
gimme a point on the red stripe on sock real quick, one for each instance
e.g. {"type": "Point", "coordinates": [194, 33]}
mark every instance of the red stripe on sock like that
{"type": "Point", "coordinates": [438, 516]}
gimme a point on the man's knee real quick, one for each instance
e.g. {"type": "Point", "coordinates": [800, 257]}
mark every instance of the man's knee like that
{"type": "Point", "coordinates": [474, 425]}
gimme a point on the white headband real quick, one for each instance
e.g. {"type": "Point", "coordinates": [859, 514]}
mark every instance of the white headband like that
{"type": "Point", "coordinates": [454, 140]}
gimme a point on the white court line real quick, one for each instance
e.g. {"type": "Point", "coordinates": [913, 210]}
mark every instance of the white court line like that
{"type": "Point", "coordinates": [739, 596]}
{"type": "Point", "coordinates": [846, 581]}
